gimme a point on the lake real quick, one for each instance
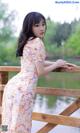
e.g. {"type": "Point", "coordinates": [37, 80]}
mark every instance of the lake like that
{"type": "Point", "coordinates": [56, 104]}
{"type": "Point", "coordinates": [42, 105]}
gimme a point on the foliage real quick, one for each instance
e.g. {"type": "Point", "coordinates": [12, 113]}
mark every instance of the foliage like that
{"type": "Point", "coordinates": [72, 45]}
{"type": "Point", "coordinates": [51, 28]}
{"type": "Point", "coordinates": [7, 39]}
{"type": "Point", "coordinates": [61, 38]}
{"type": "Point", "coordinates": [6, 23]}
{"type": "Point", "coordinates": [62, 33]}
{"type": "Point", "coordinates": [8, 53]}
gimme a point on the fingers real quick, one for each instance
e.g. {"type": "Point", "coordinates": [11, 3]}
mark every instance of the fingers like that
{"type": "Point", "coordinates": [65, 65]}
{"type": "Point", "coordinates": [71, 65]}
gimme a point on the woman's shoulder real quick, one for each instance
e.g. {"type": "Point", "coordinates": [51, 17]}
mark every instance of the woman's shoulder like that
{"type": "Point", "coordinates": [37, 39]}
{"type": "Point", "coordinates": [35, 42]}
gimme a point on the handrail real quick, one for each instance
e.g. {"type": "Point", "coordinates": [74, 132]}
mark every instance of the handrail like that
{"type": "Point", "coordinates": [53, 91]}
{"type": "Point", "coordinates": [17, 69]}
{"type": "Point", "coordinates": [9, 68]}
{"type": "Point", "coordinates": [52, 120]}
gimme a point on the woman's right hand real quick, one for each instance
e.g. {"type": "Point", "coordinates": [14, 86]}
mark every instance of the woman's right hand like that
{"type": "Point", "coordinates": [61, 63]}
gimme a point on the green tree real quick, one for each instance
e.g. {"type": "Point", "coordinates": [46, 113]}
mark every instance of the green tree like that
{"type": "Point", "coordinates": [72, 46]}
{"type": "Point", "coordinates": [7, 38]}
{"type": "Point", "coordinates": [6, 23]}
{"type": "Point", "coordinates": [51, 28]}
{"type": "Point", "coordinates": [62, 33]}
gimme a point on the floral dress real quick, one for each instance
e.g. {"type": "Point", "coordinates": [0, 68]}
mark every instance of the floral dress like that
{"type": "Point", "coordinates": [19, 92]}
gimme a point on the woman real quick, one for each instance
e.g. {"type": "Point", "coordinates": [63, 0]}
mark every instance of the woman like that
{"type": "Point", "coordinates": [19, 92]}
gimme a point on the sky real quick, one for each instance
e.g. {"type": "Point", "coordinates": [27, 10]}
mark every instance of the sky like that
{"type": "Point", "coordinates": [57, 10]}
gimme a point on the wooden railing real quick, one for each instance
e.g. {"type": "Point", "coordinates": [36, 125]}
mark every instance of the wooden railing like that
{"type": "Point", "coordinates": [52, 121]}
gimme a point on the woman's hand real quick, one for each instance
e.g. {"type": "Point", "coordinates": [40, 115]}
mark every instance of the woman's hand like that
{"type": "Point", "coordinates": [61, 63]}
{"type": "Point", "coordinates": [71, 66]}
{"type": "Point", "coordinates": [65, 65]}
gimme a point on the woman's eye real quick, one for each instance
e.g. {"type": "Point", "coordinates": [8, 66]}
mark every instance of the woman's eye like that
{"type": "Point", "coordinates": [36, 25]}
{"type": "Point", "coordinates": [43, 24]}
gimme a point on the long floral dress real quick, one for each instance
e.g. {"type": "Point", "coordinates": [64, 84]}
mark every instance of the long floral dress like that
{"type": "Point", "coordinates": [19, 92]}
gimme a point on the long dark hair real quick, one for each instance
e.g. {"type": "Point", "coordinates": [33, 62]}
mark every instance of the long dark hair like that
{"type": "Point", "coordinates": [30, 19]}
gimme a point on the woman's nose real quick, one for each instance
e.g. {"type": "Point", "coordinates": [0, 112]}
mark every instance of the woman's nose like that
{"type": "Point", "coordinates": [42, 28]}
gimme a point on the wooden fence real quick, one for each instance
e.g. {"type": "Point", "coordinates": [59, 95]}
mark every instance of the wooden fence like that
{"type": "Point", "coordinates": [52, 121]}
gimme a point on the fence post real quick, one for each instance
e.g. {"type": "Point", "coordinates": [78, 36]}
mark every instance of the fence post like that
{"type": "Point", "coordinates": [3, 80]}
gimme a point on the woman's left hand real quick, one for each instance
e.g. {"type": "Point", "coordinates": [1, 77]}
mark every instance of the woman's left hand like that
{"type": "Point", "coordinates": [71, 66]}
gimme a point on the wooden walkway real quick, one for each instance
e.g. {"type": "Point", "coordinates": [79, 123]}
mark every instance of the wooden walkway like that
{"type": "Point", "coordinates": [52, 121]}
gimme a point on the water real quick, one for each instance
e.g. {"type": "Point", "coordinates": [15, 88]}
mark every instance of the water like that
{"type": "Point", "coordinates": [53, 105]}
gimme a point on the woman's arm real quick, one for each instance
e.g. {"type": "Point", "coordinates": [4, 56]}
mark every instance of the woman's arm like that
{"type": "Point", "coordinates": [50, 66]}
{"type": "Point", "coordinates": [42, 69]}
{"type": "Point", "coordinates": [48, 63]}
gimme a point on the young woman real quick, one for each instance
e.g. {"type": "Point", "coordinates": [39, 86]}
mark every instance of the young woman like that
{"type": "Point", "coordinates": [19, 92]}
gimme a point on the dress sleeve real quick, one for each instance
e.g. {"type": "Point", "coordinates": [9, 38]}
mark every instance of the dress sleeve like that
{"type": "Point", "coordinates": [38, 53]}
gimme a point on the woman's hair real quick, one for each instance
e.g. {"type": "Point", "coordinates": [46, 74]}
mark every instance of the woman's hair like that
{"type": "Point", "coordinates": [30, 19]}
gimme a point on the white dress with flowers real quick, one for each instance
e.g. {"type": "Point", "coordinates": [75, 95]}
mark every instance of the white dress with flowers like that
{"type": "Point", "coordinates": [19, 92]}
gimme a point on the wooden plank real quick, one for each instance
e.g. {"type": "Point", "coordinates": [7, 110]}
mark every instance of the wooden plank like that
{"type": "Point", "coordinates": [54, 91]}
{"type": "Point", "coordinates": [17, 69]}
{"type": "Point", "coordinates": [58, 91]}
{"type": "Point", "coordinates": [68, 111]}
{"type": "Point", "coordinates": [3, 80]}
{"type": "Point", "coordinates": [57, 119]}
{"type": "Point", "coordinates": [3, 77]}
{"type": "Point", "coordinates": [9, 68]}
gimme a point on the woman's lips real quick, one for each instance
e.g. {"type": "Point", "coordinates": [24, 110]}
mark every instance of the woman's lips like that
{"type": "Point", "coordinates": [42, 33]}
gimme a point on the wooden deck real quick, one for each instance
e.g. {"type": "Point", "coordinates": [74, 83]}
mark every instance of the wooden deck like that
{"type": "Point", "coordinates": [64, 117]}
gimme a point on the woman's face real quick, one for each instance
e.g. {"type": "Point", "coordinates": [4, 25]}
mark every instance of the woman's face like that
{"type": "Point", "coordinates": [39, 29]}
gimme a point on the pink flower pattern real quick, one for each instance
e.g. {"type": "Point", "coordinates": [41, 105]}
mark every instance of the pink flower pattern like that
{"type": "Point", "coordinates": [19, 92]}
